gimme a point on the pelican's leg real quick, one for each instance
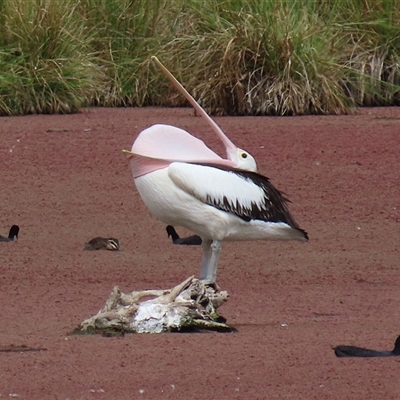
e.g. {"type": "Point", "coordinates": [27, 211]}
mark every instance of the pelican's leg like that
{"type": "Point", "coordinates": [205, 260]}
{"type": "Point", "coordinates": [209, 262]}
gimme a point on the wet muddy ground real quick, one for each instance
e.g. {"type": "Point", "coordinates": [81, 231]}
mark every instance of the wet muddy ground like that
{"type": "Point", "coordinates": [64, 181]}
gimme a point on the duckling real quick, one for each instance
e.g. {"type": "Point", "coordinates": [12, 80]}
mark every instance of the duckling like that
{"type": "Point", "coordinates": [190, 240]}
{"type": "Point", "coordinates": [12, 234]}
{"type": "Point", "coordinates": [99, 243]}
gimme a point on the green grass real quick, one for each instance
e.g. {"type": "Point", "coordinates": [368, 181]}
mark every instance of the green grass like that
{"type": "Point", "coordinates": [237, 57]}
{"type": "Point", "coordinates": [46, 63]}
{"type": "Point", "coordinates": [124, 39]}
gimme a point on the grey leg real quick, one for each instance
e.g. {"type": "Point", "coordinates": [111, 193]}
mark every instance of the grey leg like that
{"type": "Point", "coordinates": [209, 262]}
{"type": "Point", "coordinates": [205, 260]}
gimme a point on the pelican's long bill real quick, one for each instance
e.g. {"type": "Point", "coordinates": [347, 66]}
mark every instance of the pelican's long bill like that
{"type": "Point", "coordinates": [233, 153]}
{"type": "Point", "coordinates": [128, 154]}
{"type": "Point", "coordinates": [153, 150]}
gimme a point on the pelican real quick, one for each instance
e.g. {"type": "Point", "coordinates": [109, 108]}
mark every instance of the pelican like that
{"type": "Point", "coordinates": [184, 183]}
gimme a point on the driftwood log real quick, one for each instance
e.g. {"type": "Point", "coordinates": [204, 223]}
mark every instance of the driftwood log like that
{"type": "Point", "coordinates": [191, 305]}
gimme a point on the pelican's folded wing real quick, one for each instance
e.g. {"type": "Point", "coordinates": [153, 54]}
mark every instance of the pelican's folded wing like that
{"type": "Point", "coordinates": [246, 194]}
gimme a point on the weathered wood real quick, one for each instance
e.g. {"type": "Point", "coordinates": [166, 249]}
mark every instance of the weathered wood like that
{"type": "Point", "coordinates": [191, 305]}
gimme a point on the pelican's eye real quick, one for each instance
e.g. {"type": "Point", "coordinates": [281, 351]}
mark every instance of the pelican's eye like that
{"type": "Point", "coordinates": [243, 155]}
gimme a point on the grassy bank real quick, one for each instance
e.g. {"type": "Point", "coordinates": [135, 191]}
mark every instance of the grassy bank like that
{"type": "Point", "coordinates": [235, 56]}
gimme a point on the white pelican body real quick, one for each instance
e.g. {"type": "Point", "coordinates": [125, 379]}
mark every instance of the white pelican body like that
{"type": "Point", "coordinates": [185, 183]}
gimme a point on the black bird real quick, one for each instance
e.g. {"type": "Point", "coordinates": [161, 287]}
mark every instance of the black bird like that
{"type": "Point", "coordinates": [353, 351]}
{"type": "Point", "coordinates": [99, 243]}
{"type": "Point", "coordinates": [190, 240]}
{"type": "Point", "coordinates": [12, 234]}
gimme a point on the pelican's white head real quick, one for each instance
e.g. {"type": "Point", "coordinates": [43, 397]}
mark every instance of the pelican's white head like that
{"type": "Point", "coordinates": [242, 159]}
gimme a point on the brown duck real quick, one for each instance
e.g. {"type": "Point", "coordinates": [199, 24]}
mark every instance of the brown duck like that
{"type": "Point", "coordinates": [100, 243]}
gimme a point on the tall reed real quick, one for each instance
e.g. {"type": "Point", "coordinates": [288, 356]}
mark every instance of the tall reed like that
{"type": "Point", "coordinates": [124, 37]}
{"type": "Point", "coordinates": [242, 57]}
{"type": "Point", "coordinates": [46, 63]}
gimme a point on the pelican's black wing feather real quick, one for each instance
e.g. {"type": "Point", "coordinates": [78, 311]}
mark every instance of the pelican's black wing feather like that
{"type": "Point", "coordinates": [275, 203]}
